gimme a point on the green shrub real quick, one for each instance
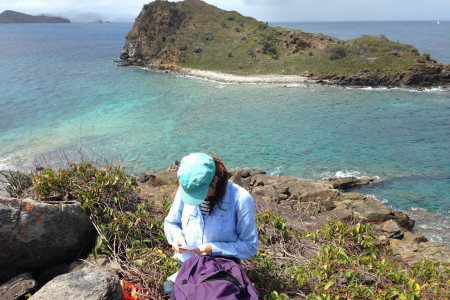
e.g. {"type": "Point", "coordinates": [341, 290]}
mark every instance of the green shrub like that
{"type": "Point", "coordinates": [337, 52]}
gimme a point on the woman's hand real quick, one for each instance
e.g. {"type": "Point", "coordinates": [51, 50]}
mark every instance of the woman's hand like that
{"type": "Point", "coordinates": [179, 242]}
{"type": "Point", "coordinates": [205, 249]}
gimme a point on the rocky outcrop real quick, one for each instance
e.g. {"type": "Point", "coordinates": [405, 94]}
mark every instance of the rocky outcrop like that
{"type": "Point", "coordinates": [155, 25]}
{"type": "Point", "coordinates": [35, 235]}
{"type": "Point", "coordinates": [85, 281]}
{"type": "Point", "coordinates": [315, 202]}
{"type": "Point", "coordinates": [424, 74]}
{"type": "Point", "coordinates": [284, 190]}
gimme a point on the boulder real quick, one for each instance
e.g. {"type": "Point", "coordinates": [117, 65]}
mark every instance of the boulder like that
{"type": "Point", "coordinates": [84, 282]}
{"type": "Point", "coordinates": [18, 287]}
{"type": "Point", "coordinates": [329, 204]}
{"type": "Point", "coordinates": [371, 210]}
{"type": "Point", "coordinates": [36, 234]}
{"type": "Point", "coordinates": [349, 182]}
{"type": "Point", "coordinates": [392, 229]}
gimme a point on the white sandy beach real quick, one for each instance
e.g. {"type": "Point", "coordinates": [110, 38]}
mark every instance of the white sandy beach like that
{"type": "Point", "coordinates": [232, 78]}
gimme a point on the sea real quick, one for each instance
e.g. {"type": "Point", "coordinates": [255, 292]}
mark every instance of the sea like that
{"type": "Point", "coordinates": [62, 98]}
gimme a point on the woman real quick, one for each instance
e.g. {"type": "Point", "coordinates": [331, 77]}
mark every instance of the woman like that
{"type": "Point", "coordinates": [210, 213]}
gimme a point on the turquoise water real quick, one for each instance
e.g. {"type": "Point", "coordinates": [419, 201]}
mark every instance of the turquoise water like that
{"type": "Point", "coordinates": [61, 93]}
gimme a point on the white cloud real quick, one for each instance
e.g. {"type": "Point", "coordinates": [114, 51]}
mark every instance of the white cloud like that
{"type": "Point", "coordinates": [264, 10]}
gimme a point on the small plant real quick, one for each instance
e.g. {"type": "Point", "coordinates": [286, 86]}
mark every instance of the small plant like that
{"type": "Point", "coordinates": [16, 182]}
{"type": "Point", "coordinates": [427, 56]}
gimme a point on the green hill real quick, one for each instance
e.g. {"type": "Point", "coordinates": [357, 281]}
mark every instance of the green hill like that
{"type": "Point", "coordinates": [194, 34]}
{"type": "Point", "coordinates": [9, 16]}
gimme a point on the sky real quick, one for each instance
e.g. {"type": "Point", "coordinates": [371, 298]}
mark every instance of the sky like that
{"type": "Point", "coordinates": [262, 10]}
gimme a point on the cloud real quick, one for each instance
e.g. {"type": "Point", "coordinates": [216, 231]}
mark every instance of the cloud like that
{"type": "Point", "coordinates": [264, 10]}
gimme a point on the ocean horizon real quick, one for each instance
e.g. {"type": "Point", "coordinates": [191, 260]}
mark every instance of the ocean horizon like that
{"type": "Point", "coordinates": [62, 95]}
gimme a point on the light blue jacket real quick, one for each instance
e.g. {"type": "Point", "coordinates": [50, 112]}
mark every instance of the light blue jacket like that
{"type": "Point", "coordinates": [231, 229]}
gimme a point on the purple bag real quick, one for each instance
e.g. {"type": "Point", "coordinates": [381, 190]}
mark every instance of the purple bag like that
{"type": "Point", "coordinates": [207, 277]}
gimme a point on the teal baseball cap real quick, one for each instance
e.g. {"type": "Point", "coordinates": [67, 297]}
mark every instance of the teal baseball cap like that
{"type": "Point", "coordinates": [195, 174]}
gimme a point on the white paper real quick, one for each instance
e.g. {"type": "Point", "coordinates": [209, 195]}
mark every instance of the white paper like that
{"type": "Point", "coordinates": [189, 247]}
{"type": "Point", "coordinates": [172, 277]}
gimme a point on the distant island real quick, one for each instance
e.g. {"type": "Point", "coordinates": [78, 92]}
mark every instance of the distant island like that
{"type": "Point", "coordinates": [205, 41]}
{"type": "Point", "coordinates": [9, 16]}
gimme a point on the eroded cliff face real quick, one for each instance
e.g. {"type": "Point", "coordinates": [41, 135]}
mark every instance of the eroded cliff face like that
{"type": "Point", "coordinates": [155, 25]}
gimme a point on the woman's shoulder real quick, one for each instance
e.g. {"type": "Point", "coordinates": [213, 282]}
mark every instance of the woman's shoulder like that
{"type": "Point", "coordinates": [239, 193]}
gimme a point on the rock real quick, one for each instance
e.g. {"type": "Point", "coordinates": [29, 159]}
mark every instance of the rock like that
{"type": "Point", "coordinates": [236, 177]}
{"type": "Point", "coordinates": [371, 210]}
{"type": "Point", "coordinates": [302, 190]}
{"type": "Point", "coordinates": [173, 167]}
{"type": "Point", "coordinates": [342, 214]}
{"type": "Point", "coordinates": [254, 172]}
{"type": "Point", "coordinates": [246, 173]}
{"type": "Point", "coordinates": [266, 190]}
{"type": "Point", "coordinates": [282, 190]}
{"type": "Point", "coordinates": [36, 235]}
{"type": "Point", "coordinates": [144, 177]}
{"type": "Point", "coordinates": [329, 204]}
{"type": "Point", "coordinates": [411, 238]}
{"type": "Point", "coordinates": [402, 219]}
{"type": "Point", "coordinates": [18, 287]}
{"type": "Point", "coordinates": [349, 182]}
{"type": "Point", "coordinates": [351, 196]}
{"type": "Point", "coordinates": [392, 229]}
{"type": "Point", "coordinates": [102, 261]}
{"type": "Point", "coordinates": [415, 252]}
{"type": "Point", "coordinates": [86, 282]}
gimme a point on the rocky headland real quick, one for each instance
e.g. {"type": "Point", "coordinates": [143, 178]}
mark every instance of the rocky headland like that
{"type": "Point", "coordinates": [198, 39]}
{"type": "Point", "coordinates": [9, 16]}
{"type": "Point", "coordinates": [42, 242]}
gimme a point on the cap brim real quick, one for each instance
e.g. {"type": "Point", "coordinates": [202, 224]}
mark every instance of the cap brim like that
{"type": "Point", "coordinates": [193, 198]}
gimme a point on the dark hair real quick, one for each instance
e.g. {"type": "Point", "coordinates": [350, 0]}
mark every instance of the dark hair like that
{"type": "Point", "coordinates": [221, 185]}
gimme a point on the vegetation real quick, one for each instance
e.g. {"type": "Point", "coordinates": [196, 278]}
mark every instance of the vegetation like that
{"type": "Point", "coordinates": [349, 264]}
{"type": "Point", "coordinates": [16, 182]}
{"type": "Point", "coordinates": [337, 261]}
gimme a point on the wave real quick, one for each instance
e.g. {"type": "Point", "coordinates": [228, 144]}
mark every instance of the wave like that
{"type": "Point", "coordinates": [346, 173]}
{"type": "Point", "coordinates": [404, 89]}
{"type": "Point", "coordinates": [277, 172]}
{"type": "Point", "coordinates": [4, 165]}
{"type": "Point", "coordinates": [434, 225]}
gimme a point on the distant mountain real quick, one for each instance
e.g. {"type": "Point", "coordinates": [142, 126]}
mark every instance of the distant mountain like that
{"type": "Point", "coordinates": [9, 16]}
{"type": "Point", "coordinates": [87, 17]}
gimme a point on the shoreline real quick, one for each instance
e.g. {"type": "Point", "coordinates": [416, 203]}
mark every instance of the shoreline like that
{"type": "Point", "coordinates": [229, 78]}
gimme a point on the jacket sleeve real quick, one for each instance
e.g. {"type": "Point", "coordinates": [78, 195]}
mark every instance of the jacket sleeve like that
{"type": "Point", "coordinates": [172, 223]}
{"type": "Point", "coordinates": [247, 243]}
